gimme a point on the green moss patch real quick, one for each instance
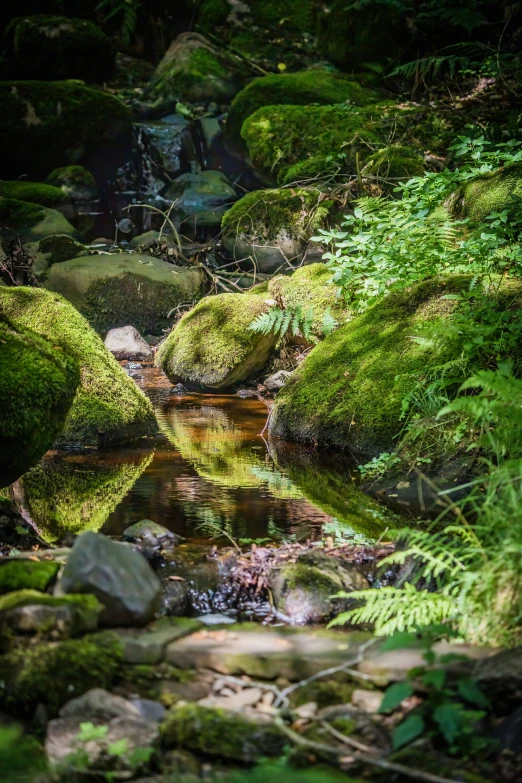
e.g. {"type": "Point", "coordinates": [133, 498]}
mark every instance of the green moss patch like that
{"type": "Point", "coordinates": [38, 381]}
{"type": "Point", "coordinates": [297, 89]}
{"type": "Point", "coordinates": [212, 345]}
{"type": "Point", "coordinates": [86, 605]}
{"type": "Point", "coordinates": [58, 47]}
{"type": "Point", "coordinates": [489, 193]}
{"type": "Point", "coordinates": [35, 192]}
{"type": "Point", "coordinates": [18, 574]}
{"type": "Point", "coordinates": [54, 673]}
{"type": "Point", "coordinates": [108, 406]}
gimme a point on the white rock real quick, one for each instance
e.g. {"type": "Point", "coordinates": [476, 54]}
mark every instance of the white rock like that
{"type": "Point", "coordinates": [127, 343]}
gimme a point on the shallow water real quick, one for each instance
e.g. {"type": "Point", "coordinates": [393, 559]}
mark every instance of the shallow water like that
{"type": "Point", "coordinates": [209, 473]}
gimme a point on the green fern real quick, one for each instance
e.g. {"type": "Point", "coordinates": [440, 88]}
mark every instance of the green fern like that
{"type": "Point", "coordinates": [282, 321]}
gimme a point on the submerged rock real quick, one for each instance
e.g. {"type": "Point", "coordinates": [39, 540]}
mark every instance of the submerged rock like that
{"type": "Point", "coordinates": [270, 230]}
{"type": "Point", "coordinates": [127, 343]}
{"type": "Point", "coordinates": [304, 590]}
{"type": "Point", "coordinates": [38, 382]}
{"type": "Point", "coordinates": [50, 124]}
{"type": "Point", "coordinates": [115, 289]}
{"type": "Point", "coordinates": [201, 199]}
{"type": "Point", "coordinates": [108, 406]}
{"type": "Point", "coordinates": [58, 47]}
{"type": "Point", "coordinates": [222, 733]}
{"type": "Point", "coordinates": [212, 345]}
{"type": "Point", "coordinates": [117, 575]}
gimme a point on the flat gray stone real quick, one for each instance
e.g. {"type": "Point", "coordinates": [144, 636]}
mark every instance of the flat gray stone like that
{"type": "Point", "coordinates": [99, 704]}
{"type": "Point", "coordinates": [149, 645]}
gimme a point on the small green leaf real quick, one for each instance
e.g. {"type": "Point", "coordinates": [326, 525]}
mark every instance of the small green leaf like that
{"type": "Point", "coordinates": [118, 748]}
{"type": "Point", "coordinates": [470, 691]}
{"type": "Point", "coordinates": [407, 731]}
{"type": "Point", "coordinates": [394, 695]}
{"type": "Point", "coordinates": [88, 732]}
{"type": "Point", "coordinates": [435, 679]}
{"type": "Point", "coordinates": [448, 718]}
{"type": "Point", "coordinates": [400, 640]}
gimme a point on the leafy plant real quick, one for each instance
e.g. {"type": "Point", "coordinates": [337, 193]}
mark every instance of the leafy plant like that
{"type": "Point", "coordinates": [282, 321]}
{"type": "Point", "coordinates": [125, 11]}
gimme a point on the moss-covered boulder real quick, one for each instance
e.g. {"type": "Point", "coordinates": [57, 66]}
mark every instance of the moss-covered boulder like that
{"type": "Point", "coordinates": [392, 163]}
{"type": "Point", "coordinates": [352, 35]}
{"type": "Point", "coordinates": [20, 574]}
{"type": "Point", "coordinates": [58, 47]}
{"type": "Point", "coordinates": [31, 611]}
{"type": "Point", "coordinates": [312, 86]}
{"type": "Point", "coordinates": [271, 229]}
{"type": "Point", "coordinates": [194, 70]}
{"type": "Point", "coordinates": [119, 289]}
{"type": "Point", "coordinates": [212, 346]}
{"type": "Point", "coordinates": [108, 406]}
{"type": "Point", "coordinates": [349, 389]}
{"type": "Point", "coordinates": [38, 382]}
{"type": "Point", "coordinates": [75, 182]}
{"type": "Point", "coordinates": [310, 289]}
{"type": "Point", "coordinates": [35, 192]}
{"type": "Point", "coordinates": [31, 222]}
{"type": "Point", "coordinates": [71, 495]}
{"type": "Point", "coordinates": [222, 733]}
{"type": "Point", "coordinates": [53, 673]}
{"type": "Point", "coordinates": [493, 192]}
{"type": "Point", "coordinates": [51, 124]}
{"type": "Point", "coordinates": [304, 590]}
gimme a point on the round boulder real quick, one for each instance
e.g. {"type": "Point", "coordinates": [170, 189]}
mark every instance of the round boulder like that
{"type": "Point", "coordinates": [127, 343]}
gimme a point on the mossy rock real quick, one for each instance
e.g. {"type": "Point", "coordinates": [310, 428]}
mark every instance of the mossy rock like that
{"type": "Point", "coordinates": [35, 192]}
{"type": "Point", "coordinates": [67, 496]}
{"type": "Point", "coordinates": [304, 590]}
{"type": "Point", "coordinates": [19, 574]}
{"type": "Point", "coordinates": [38, 382]}
{"type": "Point", "coordinates": [58, 47]}
{"type": "Point", "coordinates": [212, 347]}
{"type": "Point", "coordinates": [82, 610]}
{"type": "Point", "coordinates": [393, 163]}
{"type": "Point", "coordinates": [108, 406]}
{"type": "Point", "coordinates": [309, 288]}
{"type": "Point", "coordinates": [75, 182]}
{"type": "Point", "coordinates": [221, 733]}
{"type": "Point", "coordinates": [194, 70]}
{"type": "Point", "coordinates": [311, 86]}
{"type": "Point", "coordinates": [122, 289]}
{"type": "Point", "coordinates": [54, 673]}
{"type": "Point", "coordinates": [479, 197]}
{"type": "Point", "coordinates": [51, 124]}
{"type": "Point", "coordinates": [271, 229]}
{"type": "Point", "coordinates": [53, 249]}
{"type": "Point", "coordinates": [31, 222]}
{"type": "Point", "coordinates": [350, 36]}
{"type": "Point", "coordinates": [349, 389]}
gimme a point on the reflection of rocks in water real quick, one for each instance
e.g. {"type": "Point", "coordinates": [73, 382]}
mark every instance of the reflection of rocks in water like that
{"type": "Point", "coordinates": [70, 494]}
{"type": "Point", "coordinates": [329, 483]}
{"type": "Point", "coordinates": [222, 452]}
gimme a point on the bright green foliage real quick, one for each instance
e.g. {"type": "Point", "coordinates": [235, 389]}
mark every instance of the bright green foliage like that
{"type": "Point", "coordinates": [108, 406]}
{"type": "Point", "coordinates": [297, 89]}
{"type": "Point", "coordinates": [49, 124]}
{"type": "Point", "coordinates": [290, 320]}
{"type": "Point", "coordinates": [18, 574]}
{"type": "Point", "coordinates": [22, 757]}
{"type": "Point", "coordinates": [38, 381]}
{"type": "Point", "coordinates": [58, 47]}
{"type": "Point", "coordinates": [212, 346]}
{"type": "Point", "coordinates": [53, 674]}
{"type": "Point", "coordinates": [34, 192]}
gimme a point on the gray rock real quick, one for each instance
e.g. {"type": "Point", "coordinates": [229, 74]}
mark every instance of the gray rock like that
{"type": "Point", "coordinates": [117, 575]}
{"type": "Point", "coordinates": [245, 394]}
{"type": "Point", "coordinates": [150, 534]}
{"type": "Point", "coordinates": [62, 741]}
{"type": "Point", "coordinates": [150, 710]}
{"type": "Point", "coordinates": [169, 144]}
{"type": "Point", "coordinates": [303, 590]}
{"type": "Point", "coordinates": [127, 343]}
{"type": "Point", "coordinates": [500, 676]}
{"type": "Point", "coordinates": [175, 598]}
{"type": "Point", "coordinates": [277, 380]}
{"type": "Point", "coordinates": [216, 619]}
{"type": "Point", "coordinates": [99, 704]}
{"type": "Point", "coordinates": [202, 199]}
{"type": "Point", "coordinates": [149, 646]}
{"type": "Point", "coordinates": [54, 619]}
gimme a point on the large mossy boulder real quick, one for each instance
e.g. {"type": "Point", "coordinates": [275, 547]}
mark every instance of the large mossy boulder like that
{"type": "Point", "coordinates": [118, 289]}
{"type": "Point", "coordinates": [31, 222]}
{"type": "Point", "coordinates": [271, 229]}
{"type": "Point", "coordinates": [119, 577]}
{"type": "Point", "coordinates": [58, 47]}
{"type": "Point", "coordinates": [75, 182]}
{"type": "Point", "coordinates": [222, 733]}
{"type": "Point", "coordinates": [349, 390]}
{"type": "Point", "coordinates": [212, 346]}
{"type": "Point", "coordinates": [194, 70]}
{"type": "Point", "coordinates": [493, 192]}
{"type": "Point", "coordinates": [353, 35]}
{"type": "Point", "coordinates": [312, 86]}
{"type": "Point", "coordinates": [67, 496]}
{"type": "Point", "coordinates": [108, 406]}
{"type": "Point", "coordinates": [35, 192]}
{"type": "Point", "coordinates": [51, 674]}
{"type": "Point", "coordinates": [38, 382]}
{"type": "Point", "coordinates": [51, 124]}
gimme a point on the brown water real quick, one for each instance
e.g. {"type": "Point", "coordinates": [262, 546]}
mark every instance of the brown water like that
{"type": "Point", "coordinates": [209, 473]}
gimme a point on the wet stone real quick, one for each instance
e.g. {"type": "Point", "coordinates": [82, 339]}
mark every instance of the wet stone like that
{"type": "Point", "coordinates": [148, 646]}
{"type": "Point", "coordinates": [150, 534]}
